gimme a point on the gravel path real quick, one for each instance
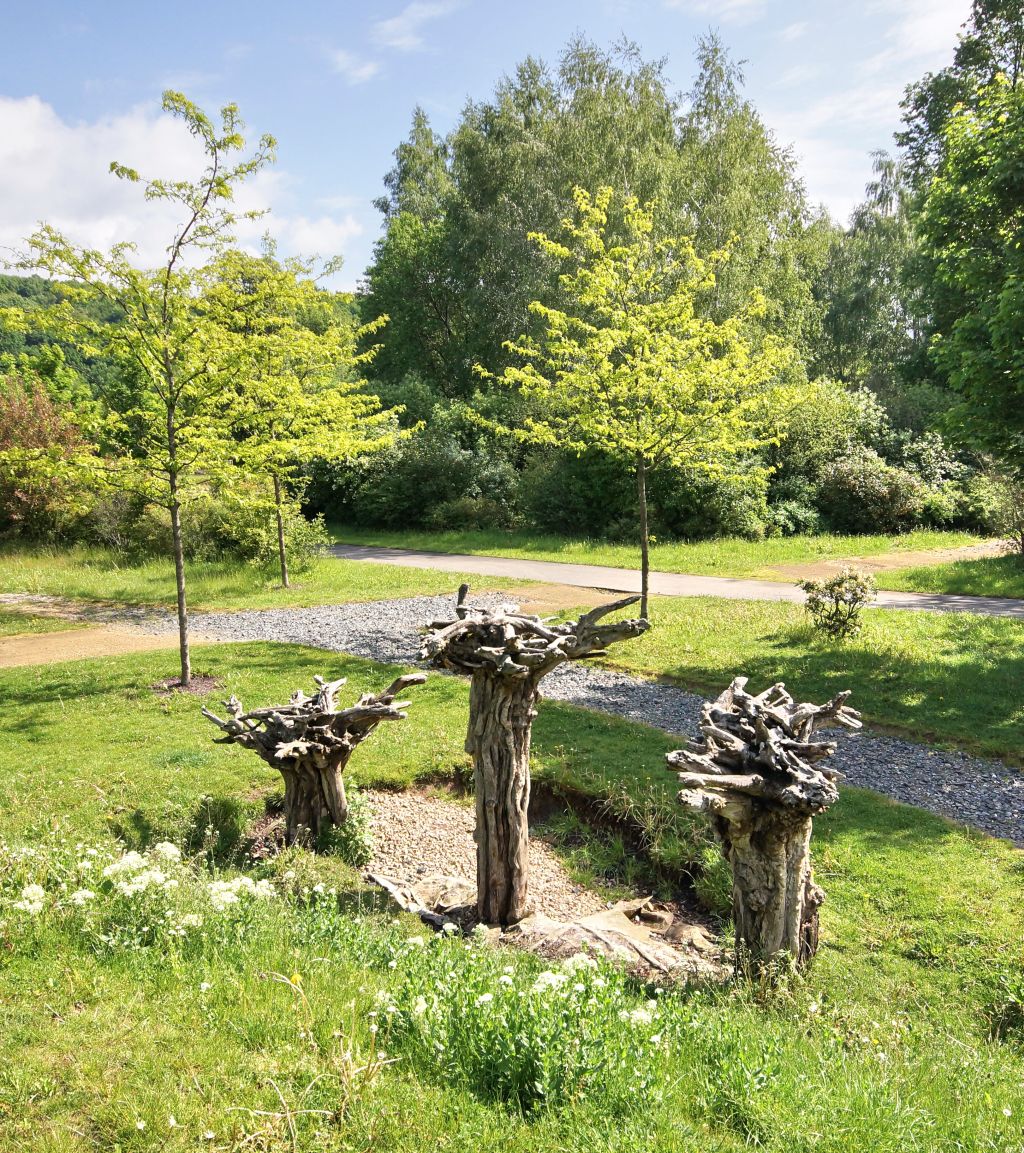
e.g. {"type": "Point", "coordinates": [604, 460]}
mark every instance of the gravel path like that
{"type": "Point", "coordinates": [979, 792]}
{"type": "Point", "coordinates": [415, 834]}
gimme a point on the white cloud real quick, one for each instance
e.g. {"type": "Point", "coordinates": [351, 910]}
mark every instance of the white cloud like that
{"type": "Point", "coordinates": [919, 29]}
{"type": "Point", "coordinates": [728, 11]}
{"type": "Point", "coordinates": [404, 31]}
{"type": "Point", "coordinates": [793, 31]}
{"type": "Point", "coordinates": [58, 172]}
{"type": "Point", "coordinates": [356, 70]}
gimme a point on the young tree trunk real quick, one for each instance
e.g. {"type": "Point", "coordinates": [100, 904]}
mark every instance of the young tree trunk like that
{"type": "Point", "coordinates": [314, 799]}
{"type": "Point", "coordinates": [501, 711]}
{"type": "Point", "coordinates": [280, 532]}
{"type": "Point", "coordinates": [775, 901]}
{"type": "Point", "coordinates": [179, 579]}
{"type": "Point", "coordinates": [645, 554]}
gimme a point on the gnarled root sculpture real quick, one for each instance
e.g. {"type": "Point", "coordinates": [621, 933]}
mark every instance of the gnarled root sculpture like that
{"type": "Point", "coordinates": [507, 654]}
{"type": "Point", "coordinates": [755, 773]}
{"type": "Point", "coordinates": [310, 742]}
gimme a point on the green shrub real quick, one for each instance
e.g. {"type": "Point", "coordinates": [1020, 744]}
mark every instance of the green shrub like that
{"type": "Point", "coordinates": [861, 493]}
{"type": "Point", "coordinates": [352, 840]}
{"type": "Point", "coordinates": [835, 605]}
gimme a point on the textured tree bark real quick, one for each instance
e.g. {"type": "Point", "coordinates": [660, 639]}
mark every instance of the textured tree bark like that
{"type": "Point", "coordinates": [179, 582]}
{"type": "Point", "coordinates": [281, 552]}
{"type": "Point", "coordinates": [501, 715]}
{"type": "Point", "coordinates": [645, 537]}
{"type": "Point", "coordinates": [775, 901]}
{"type": "Point", "coordinates": [506, 655]}
{"type": "Point", "coordinates": [756, 774]}
{"type": "Point", "coordinates": [310, 742]}
{"type": "Point", "coordinates": [314, 800]}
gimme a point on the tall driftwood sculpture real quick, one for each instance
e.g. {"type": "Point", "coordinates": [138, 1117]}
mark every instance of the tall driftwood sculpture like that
{"type": "Point", "coordinates": [507, 654]}
{"type": "Point", "coordinates": [754, 773]}
{"type": "Point", "coordinates": [310, 742]}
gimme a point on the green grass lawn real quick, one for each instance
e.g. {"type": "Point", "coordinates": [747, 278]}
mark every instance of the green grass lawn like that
{"type": "Point", "coordinates": [908, 1033]}
{"type": "Point", "coordinates": [997, 576]}
{"type": "Point", "coordinates": [97, 574]}
{"type": "Point", "coordinates": [14, 623]}
{"type": "Point", "coordinates": [729, 557]}
{"type": "Point", "coordinates": [952, 677]}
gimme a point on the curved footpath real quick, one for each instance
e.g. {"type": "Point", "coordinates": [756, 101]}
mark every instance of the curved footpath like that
{"type": "Point", "coordinates": [662, 583]}
{"type": "Point", "coordinates": [978, 792]}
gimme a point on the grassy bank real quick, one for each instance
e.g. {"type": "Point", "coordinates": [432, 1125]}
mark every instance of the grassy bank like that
{"type": "Point", "coordinates": [256, 1027]}
{"type": "Point", "coordinates": [97, 574]}
{"type": "Point", "coordinates": [998, 576]}
{"type": "Point", "coordinates": [951, 677]}
{"type": "Point", "coordinates": [729, 557]}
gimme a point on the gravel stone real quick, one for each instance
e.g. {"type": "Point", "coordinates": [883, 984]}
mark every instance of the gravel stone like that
{"type": "Point", "coordinates": [415, 834]}
{"type": "Point", "coordinates": [983, 793]}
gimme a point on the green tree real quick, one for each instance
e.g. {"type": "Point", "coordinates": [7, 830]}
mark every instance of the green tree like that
{"type": "Point", "coordinates": [172, 427]}
{"type": "Point", "coordinates": [298, 398]}
{"type": "Point", "coordinates": [631, 366]}
{"type": "Point", "coordinates": [972, 230]}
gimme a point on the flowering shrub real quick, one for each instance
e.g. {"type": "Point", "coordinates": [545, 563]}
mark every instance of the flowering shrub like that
{"type": "Point", "coordinates": [122, 900]}
{"type": "Point", "coordinates": [532, 1040]}
{"type": "Point", "coordinates": [835, 604]}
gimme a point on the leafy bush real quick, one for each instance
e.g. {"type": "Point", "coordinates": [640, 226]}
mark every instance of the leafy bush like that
{"type": "Point", "coordinates": [996, 500]}
{"type": "Point", "coordinates": [353, 839]}
{"type": "Point", "coordinates": [40, 496]}
{"type": "Point", "coordinates": [835, 604]}
{"type": "Point", "coordinates": [565, 1034]}
{"type": "Point", "coordinates": [861, 493]}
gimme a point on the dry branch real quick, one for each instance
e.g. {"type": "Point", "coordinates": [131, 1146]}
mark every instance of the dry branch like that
{"type": "Point", "coordinates": [309, 741]}
{"type": "Point", "coordinates": [756, 774]}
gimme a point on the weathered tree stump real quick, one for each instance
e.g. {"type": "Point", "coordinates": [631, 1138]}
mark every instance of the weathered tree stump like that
{"type": "Point", "coordinates": [754, 773]}
{"type": "Point", "coordinates": [310, 742]}
{"type": "Point", "coordinates": [507, 654]}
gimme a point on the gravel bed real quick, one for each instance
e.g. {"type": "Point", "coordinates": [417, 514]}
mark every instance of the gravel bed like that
{"type": "Point", "coordinates": [982, 793]}
{"type": "Point", "coordinates": [415, 834]}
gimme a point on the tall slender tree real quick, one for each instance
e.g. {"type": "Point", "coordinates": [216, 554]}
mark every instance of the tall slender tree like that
{"type": "Point", "coordinates": [172, 428]}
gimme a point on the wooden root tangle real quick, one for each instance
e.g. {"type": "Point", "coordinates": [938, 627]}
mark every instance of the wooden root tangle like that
{"type": "Point", "coordinates": [506, 653]}
{"type": "Point", "coordinates": [309, 741]}
{"type": "Point", "coordinates": [757, 773]}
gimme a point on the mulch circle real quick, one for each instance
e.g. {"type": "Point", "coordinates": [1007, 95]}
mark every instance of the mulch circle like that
{"type": "Point", "coordinates": [200, 686]}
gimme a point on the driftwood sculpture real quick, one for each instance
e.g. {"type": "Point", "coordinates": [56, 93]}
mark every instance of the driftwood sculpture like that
{"type": "Point", "coordinates": [310, 742]}
{"type": "Point", "coordinates": [755, 773]}
{"type": "Point", "coordinates": [507, 654]}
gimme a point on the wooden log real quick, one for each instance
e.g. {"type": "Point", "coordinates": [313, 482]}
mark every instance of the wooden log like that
{"type": "Point", "coordinates": [756, 775]}
{"type": "Point", "coordinates": [310, 741]}
{"type": "Point", "coordinates": [506, 655]}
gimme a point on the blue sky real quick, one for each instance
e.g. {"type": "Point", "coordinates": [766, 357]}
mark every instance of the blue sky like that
{"type": "Point", "coordinates": [336, 84]}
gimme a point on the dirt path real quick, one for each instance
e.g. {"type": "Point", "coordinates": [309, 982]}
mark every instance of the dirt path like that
{"type": "Point", "coordinates": [76, 645]}
{"type": "Point", "coordinates": [886, 561]}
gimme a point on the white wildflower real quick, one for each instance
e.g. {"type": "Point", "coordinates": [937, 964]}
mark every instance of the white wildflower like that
{"type": "Point", "coordinates": [140, 1125]}
{"type": "Point", "coordinates": [33, 898]}
{"type": "Point", "coordinates": [449, 927]}
{"type": "Point", "coordinates": [82, 896]}
{"type": "Point", "coordinates": [129, 863]}
{"type": "Point", "coordinates": [484, 999]}
{"type": "Point", "coordinates": [505, 979]}
{"type": "Point", "coordinates": [264, 890]}
{"type": "Point", "coordinates": [192, 921]}
{"type": "Point", "coordinates": [577, 962]}
{"type": "Point", "coordinates": [547, 981]}
{"type": "Point", "coordinates": [640, 1017]}
{"type": "Point", "coordinates": [419, 1006]}
{"type": "Point", "coordinates": [289, 875]}
{"type": "Point", "coordinates": [205, 986]}
{"type": "Point", "coordinates": [416, 941]}
{"type": "Point", "coordinates": [166, 851]}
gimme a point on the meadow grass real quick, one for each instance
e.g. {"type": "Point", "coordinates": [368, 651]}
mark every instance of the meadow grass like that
{"type": "Point", "coordinates": [255, 1030]}
{"type": "Point", "coordinates": [950, 677]}
{"type": "Point", "coordinates": [997, 576]}
{"type": "Point", "coordinates": [14, 623]}
{"type": "Point", "coordinates": [726, 556]}
{"type": "Point", "coordinates": [87, 573]}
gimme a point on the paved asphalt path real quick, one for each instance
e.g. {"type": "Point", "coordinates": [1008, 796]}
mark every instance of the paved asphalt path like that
{"type": "Point", "coordinates": [662, 583]}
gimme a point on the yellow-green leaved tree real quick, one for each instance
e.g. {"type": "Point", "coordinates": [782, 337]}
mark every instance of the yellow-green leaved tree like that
{"type": "Point", "coordinates": [629, 363]}
{"type": "Point", "coordinates": [166, 424]}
